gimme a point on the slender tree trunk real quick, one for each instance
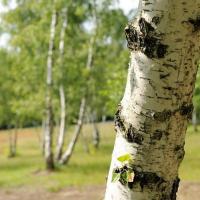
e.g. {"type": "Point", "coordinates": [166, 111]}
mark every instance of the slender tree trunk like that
{"type": "Point", "coordinates": [96, 134]}
{"type": "Point", "coordinates": [43, 137]}
{"type": "Point", "coordinates": [67, 155]}
{"type": "Point", "coordinates": [152, 118]}
{"type": "Point", "coordinates": [85, 143]}
{"type": "Point", "coordinates": [61, 91]}
{"type": "Point", "coordinates": [103, 118]}
{"type": "Point", "coordinates": [194, 120]}
{"type": "Point", "coordinates": [13, 135]}
{"type": "Point", "coordinates": [61, 135]}
{"type": "Point", "coordinates": [49, 109]}
{"type": "Point", "coordinates": [86, 120]}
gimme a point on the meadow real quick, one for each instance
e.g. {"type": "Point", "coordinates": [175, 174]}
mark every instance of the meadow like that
{"type": "Point", "coordinates": [85, 168]}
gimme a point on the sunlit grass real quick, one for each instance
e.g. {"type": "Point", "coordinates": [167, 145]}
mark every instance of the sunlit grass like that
{"type": "Point", "coordinates": [84, 169]}
{"type": "Point", "coordinates": [190, 167]}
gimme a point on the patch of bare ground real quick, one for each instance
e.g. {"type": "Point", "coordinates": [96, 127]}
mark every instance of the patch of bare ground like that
{"type": "Point", "coordinates": [187, 191]}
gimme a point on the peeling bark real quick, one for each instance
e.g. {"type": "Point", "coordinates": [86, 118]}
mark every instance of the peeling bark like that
{"type": "Point", "coordinates": [152, 118]}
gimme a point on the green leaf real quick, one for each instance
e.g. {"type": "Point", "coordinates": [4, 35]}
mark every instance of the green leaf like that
{"type": "Point", "coordinates": [126, 157]}
{"type": "Point", "coordinates": [124, 178]}
{"type": "Point", "coordinates": [115, 177]}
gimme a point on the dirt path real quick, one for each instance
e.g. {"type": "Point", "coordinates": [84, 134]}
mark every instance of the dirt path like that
{"type": "Point", "coordinates": [187, 191]}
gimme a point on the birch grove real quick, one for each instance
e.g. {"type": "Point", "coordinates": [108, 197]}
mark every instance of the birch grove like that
{"type": "Point", "coordinates": [152, 118]}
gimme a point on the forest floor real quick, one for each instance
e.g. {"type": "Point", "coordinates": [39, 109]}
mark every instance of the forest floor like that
{"type": "Point", "coordinates": [187, 191]}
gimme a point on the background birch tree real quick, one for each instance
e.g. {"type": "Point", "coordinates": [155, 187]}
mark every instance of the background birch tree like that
{"type": "Point", "coordinates": [48, 132]}
{"type": "Point", "coordinates": [61, 134]}
{"type": "Point", "coordinates": [152, 117]}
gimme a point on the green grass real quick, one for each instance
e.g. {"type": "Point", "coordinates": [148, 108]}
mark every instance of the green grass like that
{"type": "Point", "coordinates": [190, 167]}
{"type": "Point", "coordinates": [84, 169]}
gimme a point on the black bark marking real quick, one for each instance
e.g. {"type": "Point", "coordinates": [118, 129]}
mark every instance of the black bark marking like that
{"type": "Point", "coordinates": [119, 122]}
{"type": "Point", "coordinates": [162, 76]}
{"type": "Point", "coordinates": [168, 88]}
{"type": "Point", "coordinates": [147, 179]}
{"type": "Point", "coordinates": [145, 27]}
{"type": "Point", "coordinates": [157, 135]}
{"type": "Point", "coordinates": [146, 40]}
{"type": "Point", "coordinates": [195, 23]}
{"type": "Point", "coordinates": [179, 152]}
{"type": "Point", "coordinates": [161, 50]}
{"type": "Point", "coordinates": [162, 116]}
{"type": "Point", "coordinates": [174, 189]}
{"type": "Point", "coordinates": [186, 110]}
{"type": "Point", "coordinates": [156, 20]}
{"type": "Point", "coordinates": [132, 135]}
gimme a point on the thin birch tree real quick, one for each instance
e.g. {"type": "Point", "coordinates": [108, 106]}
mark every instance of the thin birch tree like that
{"type": "Point", "coordinates": [48, 132]}
{"type": "Point", "coordinates": [67, 154]}
{"type": "Point", "coordinates": [61, 134]}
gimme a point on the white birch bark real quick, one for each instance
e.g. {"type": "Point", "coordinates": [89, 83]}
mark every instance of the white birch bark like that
{"type": "Point", "coordinates": [67, 155]}
{"type": "Point", "coordinates": [49, 111]}
{"type": "Point", "coordinates": [61, 90]}
{"type": "Point", "coordinates": [152, 118]}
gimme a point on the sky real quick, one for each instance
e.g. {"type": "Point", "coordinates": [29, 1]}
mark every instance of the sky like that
{"type": "Point", "coordinates": [126, 5]}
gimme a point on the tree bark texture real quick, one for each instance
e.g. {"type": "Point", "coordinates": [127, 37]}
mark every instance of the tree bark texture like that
{"type": "Point", "coordinates": [152, 117]}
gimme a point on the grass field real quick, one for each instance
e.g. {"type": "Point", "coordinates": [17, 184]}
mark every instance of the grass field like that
{"type": "Point", "coordinates": [84, 169]}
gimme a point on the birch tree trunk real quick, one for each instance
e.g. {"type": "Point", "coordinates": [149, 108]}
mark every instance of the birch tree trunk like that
{"type": "Point", "coordinates": [152, 118]}
{"type": "Point", "coordinates": [61, 90]}
{"type": "Point", "coordinates": [67, 155]}
{"type": "Point", "coordinates": [49, 111]}
{"type": "Point", "coordinates": [13, 135]}
{"type": "Point", "coordinates": [96, 134]}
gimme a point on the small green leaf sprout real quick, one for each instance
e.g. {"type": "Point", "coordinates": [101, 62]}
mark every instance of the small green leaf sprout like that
{"type": "Point", "coordinates": [124, 174]}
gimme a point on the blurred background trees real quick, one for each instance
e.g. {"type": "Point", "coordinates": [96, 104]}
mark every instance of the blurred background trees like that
{"type": "Point", "coordinates": [32, 50]}
{"type": "Point", "coordinates": [23, 61]}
